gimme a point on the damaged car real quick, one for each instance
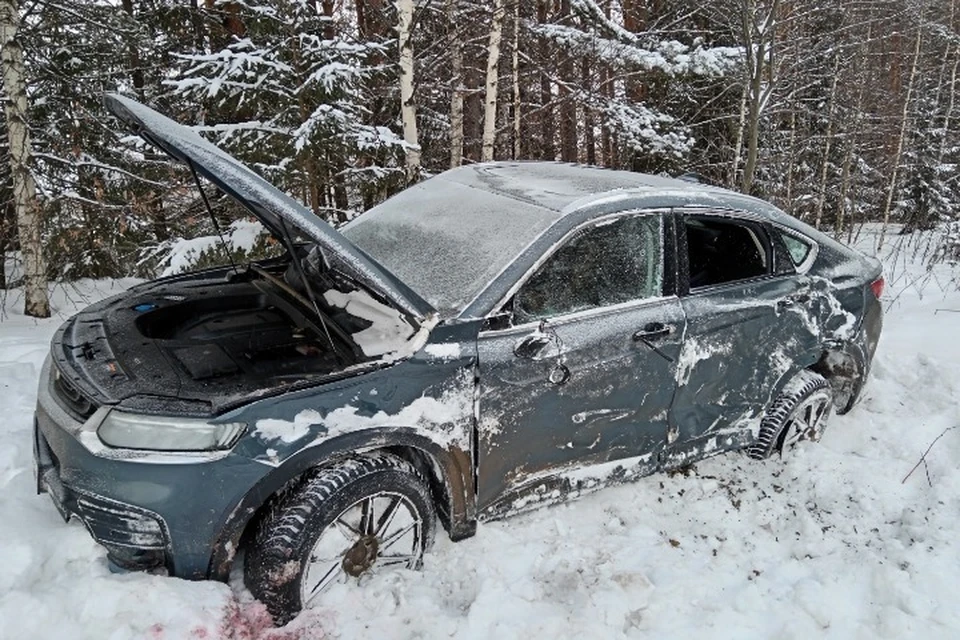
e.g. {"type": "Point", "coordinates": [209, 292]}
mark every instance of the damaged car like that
{"type": "Point", "coordinates": [496, 338]}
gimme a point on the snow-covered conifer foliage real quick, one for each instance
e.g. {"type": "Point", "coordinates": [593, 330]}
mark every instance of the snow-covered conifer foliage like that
{"type": "Point", "coordinates": [642, 126]}
{"type": "Point", "coordinates": [287, 95]}
{"type": "Point", "coordinates": [837, 112]}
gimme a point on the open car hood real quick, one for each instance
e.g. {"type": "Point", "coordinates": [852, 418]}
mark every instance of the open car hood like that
{"type": "Point", "coordinates": [266, 202]}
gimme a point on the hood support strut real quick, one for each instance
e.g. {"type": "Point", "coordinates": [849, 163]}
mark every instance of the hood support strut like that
{"type": "Point", "coordinates": [292, 250]}
{"type": "Point", "coordinates": [213, 217]}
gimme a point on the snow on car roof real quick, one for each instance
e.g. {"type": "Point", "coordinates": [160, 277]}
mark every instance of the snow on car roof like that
{"type": "Point", "coordinates": [557, 185]}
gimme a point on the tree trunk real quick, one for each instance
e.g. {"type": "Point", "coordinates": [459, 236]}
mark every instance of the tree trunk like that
{"type": "Point", "coordinates": [948, 114]}
{"type": "Point", "coordinates": [199, 29]}
{"type": "Point", "coordinates": [548, 150]}
{"type": "Point", "coordinates": [738, 142]}
{"type": "Point", "coordinates": [898, 154]}
{"type": "Point", "coordinates": [825, 165]}
{"type": "Point", "coordinates": [335, 161]}
{"type": "Point", "coordinates": [753, 124]}
{"type": "Point", "coordinates": [456, 84]}
{"type": "Point", "coordinates": [133, 55]}
{"type": "Point", "coordinates": [515, 71]}
{"type": "Point", "coordinates": [568, 108]}
{"type": "Point", "coordinates": [36, 302]}
{"type": "Point", "coordinates": [635, 21]}
{"type": "Point", "coordinates": [492, 83]}
{"type": "Point", "coordinates": [589, 135]}
{"type": "Point", "coordinates": [408, 110]}
{"type": "Point", "coordinates": [757, 50]}
{"type": "Point", "coordinates": [5, 236]}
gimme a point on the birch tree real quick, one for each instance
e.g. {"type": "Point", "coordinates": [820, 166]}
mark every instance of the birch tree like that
{"type": "Point", "coordinates": [492, 83]}
{"type": "Point", "coordinates": [36, 302]}
{"type": "Point", "coordinates": [515, 74]}
{"type": "Point", "coordinates": [456, 85]}
{"type": "Point", "coordinates": [408, 110]}
{"type": "Point", "coordinates": [759, 39]}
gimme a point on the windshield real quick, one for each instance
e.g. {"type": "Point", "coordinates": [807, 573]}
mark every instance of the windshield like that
{"type": "Point", "coordinates": [447, 241]}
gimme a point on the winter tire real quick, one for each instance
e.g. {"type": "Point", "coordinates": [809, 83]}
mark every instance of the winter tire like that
{"type": "Point", "coordinates": [800, 412]}
{"type": "Point", "coordinates": [365, 514]}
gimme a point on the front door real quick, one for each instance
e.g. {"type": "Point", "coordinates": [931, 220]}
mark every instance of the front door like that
{"type": "Point", "coordinates": [585, 374]}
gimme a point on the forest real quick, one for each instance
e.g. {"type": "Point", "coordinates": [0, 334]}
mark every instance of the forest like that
{"type": "Point", "coordinates": [838, 112]}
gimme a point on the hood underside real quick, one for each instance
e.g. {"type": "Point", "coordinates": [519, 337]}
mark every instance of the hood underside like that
{"type": "Point", "coordinates": [274, 208]}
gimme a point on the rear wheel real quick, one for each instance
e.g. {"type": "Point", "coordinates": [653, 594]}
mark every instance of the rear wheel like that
{"type": "Point", "coordinates": [365, 515]}
{"type": "Point", "coordinates": [799, 413]}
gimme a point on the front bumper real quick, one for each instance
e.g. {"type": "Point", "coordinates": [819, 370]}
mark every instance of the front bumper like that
{"type": "Point", "coordinates": [148, 511]}
{"type": "Point", "coordinates": [135, 539]}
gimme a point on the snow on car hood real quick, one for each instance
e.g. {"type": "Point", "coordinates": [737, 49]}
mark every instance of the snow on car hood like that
{"type": "Point", "coordinates": [273, 207]}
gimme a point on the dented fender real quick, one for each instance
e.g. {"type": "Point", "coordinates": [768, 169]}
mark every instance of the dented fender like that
{"type": "Point", "coordinates": [452, 467]}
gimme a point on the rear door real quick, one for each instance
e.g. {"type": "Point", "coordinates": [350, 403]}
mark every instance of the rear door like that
{"type": "Point", "coordinates": [749, 321]}
{"type": "Point", "coordinates": [584, 373]}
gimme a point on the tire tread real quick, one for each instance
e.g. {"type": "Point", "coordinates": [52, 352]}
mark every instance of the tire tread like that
{"type": "Point", "coordinates": [802, 385]}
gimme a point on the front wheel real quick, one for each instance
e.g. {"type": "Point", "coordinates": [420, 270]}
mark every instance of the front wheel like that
{"type": "Point", "coordinates": [799, 413]}
{"type": "Point", "coordinates": [366, 514]}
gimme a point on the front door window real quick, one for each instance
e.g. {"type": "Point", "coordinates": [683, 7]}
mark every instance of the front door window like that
{"type": "Point", "coordinates": [601, 266]}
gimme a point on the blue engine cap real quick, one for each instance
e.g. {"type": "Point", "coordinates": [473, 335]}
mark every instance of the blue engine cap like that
{"type": "Point", "coordinates": [144, 307]}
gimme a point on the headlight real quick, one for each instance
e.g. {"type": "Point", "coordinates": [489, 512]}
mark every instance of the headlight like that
{"type": "Point", "coordinates": [162, 433]}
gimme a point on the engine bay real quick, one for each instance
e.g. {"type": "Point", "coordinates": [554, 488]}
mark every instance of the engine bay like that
{"type": "Point", "coordinates": [207, 340]}
{"type": "Point", "coordinates": [240, 332]}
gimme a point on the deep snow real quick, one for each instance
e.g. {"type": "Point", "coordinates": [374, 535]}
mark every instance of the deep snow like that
{"type": "Point", "coordinates": [828, 543]}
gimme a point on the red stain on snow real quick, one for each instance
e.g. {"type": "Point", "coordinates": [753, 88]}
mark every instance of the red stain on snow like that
{"type": "Point", "coordinates": [251, 621]}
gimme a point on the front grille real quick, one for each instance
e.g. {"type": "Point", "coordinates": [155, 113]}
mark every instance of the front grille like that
{"type": "Point", "coordinates": [119, 525]}
{"type": "Point", "coordinates": [71, 398]}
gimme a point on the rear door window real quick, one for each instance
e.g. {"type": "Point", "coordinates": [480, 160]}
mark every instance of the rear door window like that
{"type": "Point", "coordinates": [722, 250]}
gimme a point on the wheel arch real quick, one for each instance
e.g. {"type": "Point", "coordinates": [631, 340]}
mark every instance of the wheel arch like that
{"type": "Point", "coordinates": [448, 471]}
{"type": "Point", "coordinates": [843, 366]}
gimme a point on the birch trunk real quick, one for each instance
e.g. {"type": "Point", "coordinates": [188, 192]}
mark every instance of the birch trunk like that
{"type": "Point", "coordinates": [898, 155]}
{"type": "Point", "coordinates": [948, 115]}
{"type": "Point", "coordinates": [759, 49]}
{"type": "Point", "coordinates": [492, 83]}
{"type": "Point", "coordinates": [408, 110]}
{"type": "Point", "coordinates": [738, 145]}
{"type": "Point", "coordinates": [456, 95]}
{"type": "Point", "coordinates": [516, 80]}
{"type": "Point", "coordinates": [792, 162]}
{"type": "Point", "coordinates": [36, 302]}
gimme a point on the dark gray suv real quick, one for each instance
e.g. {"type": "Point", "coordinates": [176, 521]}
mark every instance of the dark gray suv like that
{"type": "Point", "coordinates": [499, 337]}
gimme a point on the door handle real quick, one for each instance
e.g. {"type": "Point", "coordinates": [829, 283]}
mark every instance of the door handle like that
{"type": "Point", "coordinates": [531, 347]}
{"type": "Point", "coordinates": [653, 331]}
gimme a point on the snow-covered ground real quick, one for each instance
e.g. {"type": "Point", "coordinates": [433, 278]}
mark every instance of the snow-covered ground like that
{"type": "Point", "coordinates": [829, 543]}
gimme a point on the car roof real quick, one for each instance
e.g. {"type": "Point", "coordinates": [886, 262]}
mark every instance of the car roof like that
{"type": "Point", "coordinates": [565, 188]}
